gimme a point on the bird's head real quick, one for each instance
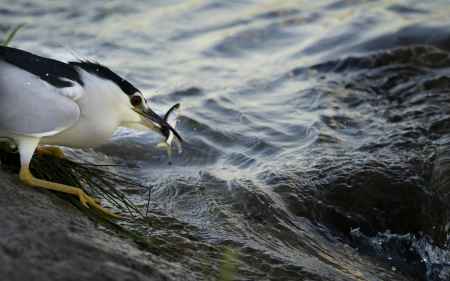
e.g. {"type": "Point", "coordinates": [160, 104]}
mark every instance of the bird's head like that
{"type": "Point", "coordinates": [152, 120]}
{"type": "Point", "coordinates": [134, 109]}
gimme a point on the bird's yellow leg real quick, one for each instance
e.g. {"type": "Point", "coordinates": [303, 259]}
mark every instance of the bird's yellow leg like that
{"type": "Point", "coordinates": [56, 152]}
{"type": "Point", "coordinates": [87, 201]}
{"type": "Point", "coordinates": [50, 150]}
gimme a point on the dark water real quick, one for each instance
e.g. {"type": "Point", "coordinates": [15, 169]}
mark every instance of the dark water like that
{"type": "Point", "coordinates": [318, 131]}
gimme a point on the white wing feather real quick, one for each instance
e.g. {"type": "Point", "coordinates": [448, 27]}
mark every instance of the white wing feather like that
{"type": "Point", "coordinates": [32, 107]}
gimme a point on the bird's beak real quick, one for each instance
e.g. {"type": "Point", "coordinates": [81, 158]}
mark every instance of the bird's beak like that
{"type": "Point", "coordinates": [160, 124]}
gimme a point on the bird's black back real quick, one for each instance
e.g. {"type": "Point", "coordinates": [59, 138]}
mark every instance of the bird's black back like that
{"type": "Point", "coordinates": [54, 72]}
{"type": "Point", "coordinates": [105, 73]}
{"type": "Point", "coordinates": [60, 74]}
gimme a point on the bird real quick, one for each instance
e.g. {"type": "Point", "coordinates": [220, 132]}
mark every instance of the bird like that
{"type": "Point", "coordinates": [46, 103]}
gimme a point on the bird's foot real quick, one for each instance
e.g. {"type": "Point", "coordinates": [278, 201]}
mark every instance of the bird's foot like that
{"type": "Point", "coordinates": [51, 151]}
{"type": "Point", "coordinates": [86, 200]}
{"type": "Point", "coordinates": [89, 201]}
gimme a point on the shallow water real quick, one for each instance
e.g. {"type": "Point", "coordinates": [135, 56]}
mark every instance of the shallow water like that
{"type": "Point", "coordinates": [317, 133]}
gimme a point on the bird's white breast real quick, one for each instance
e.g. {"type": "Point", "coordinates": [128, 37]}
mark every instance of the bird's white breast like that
{"type": "Point", "coordinates": [102, 106]}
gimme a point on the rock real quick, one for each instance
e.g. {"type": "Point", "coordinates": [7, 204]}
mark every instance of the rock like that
{"type": "Point", "coordinates": [42, 237]}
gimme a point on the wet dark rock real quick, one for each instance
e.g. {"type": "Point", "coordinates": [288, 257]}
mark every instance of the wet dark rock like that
{"type": "Point", "coordinates": [396, 182]}
{"type": "Point", "coordinates": [44, 238]}
{"type": "Point", "coordinates": [379, 198]}
{"type": "Point", "coordinates": [388, 184]}
{"type": "Point", "coordinates": [398, 251]}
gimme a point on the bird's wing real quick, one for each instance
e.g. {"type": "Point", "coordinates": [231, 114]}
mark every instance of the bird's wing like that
{"type": "Point", "coordinates": [31, 106]}
{"type": "Point", "coordinates": [54, 72]}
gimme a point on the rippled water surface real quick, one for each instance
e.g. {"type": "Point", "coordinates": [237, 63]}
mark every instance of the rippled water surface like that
{"type": "Point", "coordinates": [317, 132]}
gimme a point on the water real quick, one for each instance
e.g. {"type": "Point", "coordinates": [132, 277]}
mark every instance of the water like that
{"type": "Point", "coordinates": [317, 131]}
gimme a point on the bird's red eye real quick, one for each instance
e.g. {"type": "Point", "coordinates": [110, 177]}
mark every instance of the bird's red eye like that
{"type": "Point", "coordinates": [136, 100]}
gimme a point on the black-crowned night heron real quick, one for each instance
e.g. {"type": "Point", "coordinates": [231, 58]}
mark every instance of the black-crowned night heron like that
{"type": "Point", "coordinates": [76, 104]}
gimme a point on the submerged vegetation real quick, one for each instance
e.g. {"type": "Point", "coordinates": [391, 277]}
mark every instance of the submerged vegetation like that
{"type": "Point", "coordinates": [229, 265]}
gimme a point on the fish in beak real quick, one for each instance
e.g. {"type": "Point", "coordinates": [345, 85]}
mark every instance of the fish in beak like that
{"type": "Point", "coordinates": [164, 125]}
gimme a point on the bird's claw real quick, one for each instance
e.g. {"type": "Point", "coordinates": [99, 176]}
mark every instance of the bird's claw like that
{"type": "Point", "coordinates": [88, 201]}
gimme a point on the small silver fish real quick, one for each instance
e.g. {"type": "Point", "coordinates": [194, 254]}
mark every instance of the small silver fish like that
{"type": "Point", "coordinates": [171, 135]}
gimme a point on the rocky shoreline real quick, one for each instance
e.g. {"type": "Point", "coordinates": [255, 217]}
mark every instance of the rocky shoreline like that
{"type": "Point", "coordinates": [43, 237]}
